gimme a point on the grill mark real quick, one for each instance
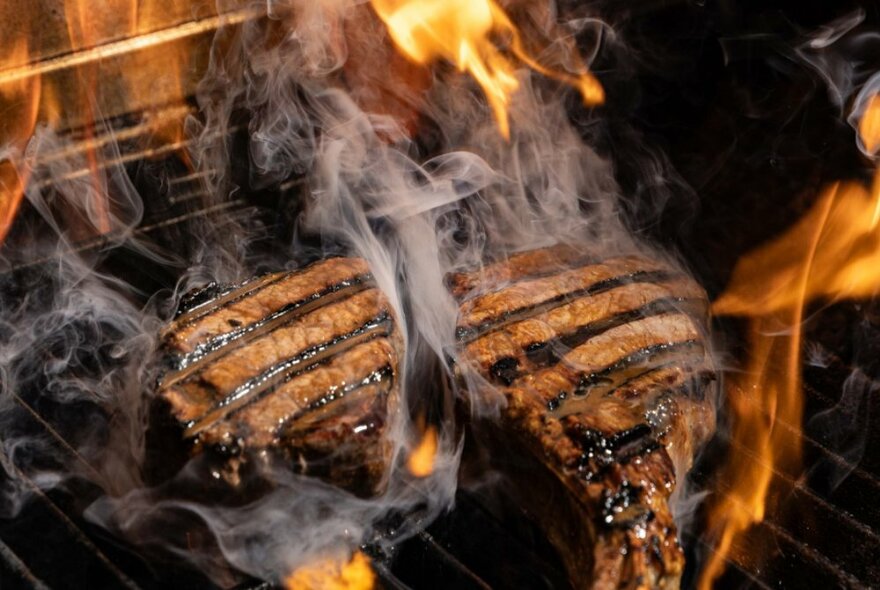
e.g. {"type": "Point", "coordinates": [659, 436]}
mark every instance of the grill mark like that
{"type": "Point", "coordinates": [603, 382]}
{"type": "Point", "coordinates": [549, 352]}
{"type": "Point", "coordinates": [257, 422]}
{"type": "Point", "coordinates": [219, 346]}
{"type": "Point", "coordinates": [650, 378]}
{"type": "Point", "coordinates": [229, 296]}
{"type": "Point", "coordinates": [599, 450]}
{"type": "Point", "coordinates": [664, 378]}
{"type": "Point", "coordinates": [505, 318]}
{"type": "Point", "coordinates": [469, 287]}
{"type": "Point", "coordinates": [306, 360]}
{"type": "Point", "coordinates": [381, 376]}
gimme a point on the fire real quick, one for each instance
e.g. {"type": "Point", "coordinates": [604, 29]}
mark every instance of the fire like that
{"type": "Point", "coordinates": [869, 126]}
{"type": "Point", "coordinates": [832, 253]}
{"type": "Point", "coordinates": [83, 33]}
{"type": "Point", "coordinates": [464, 32]}
{"type": "Point", "coordinates": [135, 53]}
{"type": "Point", "coordinates": [20, 102]}
{"type": "Point", "coordinates": [175, 60]}
{"type": "Point", "coordinates": [330, 574]}
{"type": "Point", "coordinates": [421, 460]}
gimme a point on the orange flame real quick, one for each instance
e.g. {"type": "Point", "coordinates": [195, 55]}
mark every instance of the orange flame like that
{"type": "Point", "coordinates": [175, 61]}
{"type": "Point", "coordinates": [462, 32]}
{"type": "Point", "coordinates": [330, 574]}
{"type": "Point", "coordinates": [19, 102]}
{"type": "Point", "coordinates": [83, 32]}
{"type": "Point", "coordinates": [832, 253]}
{"type": "Point", "coordinates": [869, 126]}
{"type": "Point", "coordinates": [421, 461]}
{"type": "Point", "coordinates": [135, 53]}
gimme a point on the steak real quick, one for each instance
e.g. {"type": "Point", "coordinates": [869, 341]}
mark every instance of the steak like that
{"type": "Point", "coordinates": [604, 371]}
{"type": "Point", "coordinates": [302, 364]}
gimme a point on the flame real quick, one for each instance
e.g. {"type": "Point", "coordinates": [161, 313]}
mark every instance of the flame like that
{"type": "Point", "coordinates": [462, 31]}
{"type": "Point", "coordinates": [175, 61]}
{"type": "Point", "coordinates": [832, 253]}
{"type": "Point", "coordinates": [84, 32]}
{"type": "Point", "coordinates": [135, 48]}
{"type": "Point", "coordinates": [869, 125]}
{"type": "Point", "coordinates": [421, 461]}
{"type": "Point", "coordinates": [330, 574]}
{"type": "Point", "coordinates": [19, 102]}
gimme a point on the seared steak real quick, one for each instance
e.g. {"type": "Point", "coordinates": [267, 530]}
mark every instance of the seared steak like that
{"type": "Point", "coordinates": [603, 370]}
{"type": "Point", "coordinates": [303, 363]}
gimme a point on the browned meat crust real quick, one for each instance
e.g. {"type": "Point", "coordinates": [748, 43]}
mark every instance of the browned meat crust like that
{"type": "Point", "coordinates": [524, 297]}
{"type": "Point", "coordinates": [516, 266]}
{"type": "Point", "coordinates": [302, 363]}
{"type": "Point", "coordinates": [603, 369]}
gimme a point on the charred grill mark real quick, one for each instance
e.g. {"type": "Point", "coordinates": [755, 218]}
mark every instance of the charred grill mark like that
{"type": "Point", "coordinates": [594, 442]}
{"type": "Point", "coordinates": [306, 360]}
{"type": "Point", "coordinates": [225, 343]}
{"type": "Point", "coordinates": [382, 376]}
{"type": "Point", "coordinates": [599, 451]}
{"type": "Point", "coordinates": [604, 381]}
{"type": "Point", "coordinates": [550, 352]}
{"type": "Point", "coordinates": [229, 295]}
{"type": "Point", "coordinates": [466, 335]}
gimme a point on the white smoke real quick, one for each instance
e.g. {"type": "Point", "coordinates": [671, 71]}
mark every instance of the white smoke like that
{"type": "Point", "coordinates": [412, 176]}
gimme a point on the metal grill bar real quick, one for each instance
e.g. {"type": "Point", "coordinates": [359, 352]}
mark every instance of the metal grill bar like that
{"type": "Point", "coordinates": [128, 45]}
{"type": "Point", "coordinates": [18, 568]}
{"type": "Point", "coordinates": [76, 533]}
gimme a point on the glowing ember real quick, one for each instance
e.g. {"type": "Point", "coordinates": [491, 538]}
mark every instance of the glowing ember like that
{"type": "Point", "coordinates": [421, 460]}
{"type": "Point", "coordinates": [463, 32]}
{"type": "Point", "coordinates": [329, 574]}
{"type": "Point", "coordinates": [832, 253]}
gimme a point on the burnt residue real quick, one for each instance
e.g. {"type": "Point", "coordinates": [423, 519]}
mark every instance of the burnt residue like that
{"type": "Point", "coordinates": [198, 297]}
{"type": "Point", "coordinates": [505, 370]}
{"type": "Point", "coordinates": [554, 403]}
{"type": "Point", "coordinates": [599, 450]}
{"type": "Point", "coordinates": [208, 299]}
{"type": "Point", "coordinates": [539, 353]}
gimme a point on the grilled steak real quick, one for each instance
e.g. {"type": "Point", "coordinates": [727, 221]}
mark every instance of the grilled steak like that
{"type": "Point", "coordinates": [302, 363]}
{"type": "Point", "coordinates": [603, 370]}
